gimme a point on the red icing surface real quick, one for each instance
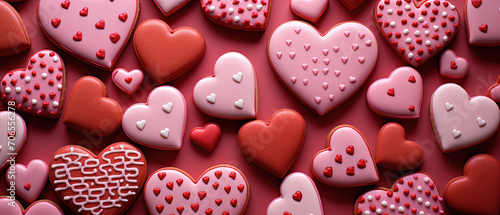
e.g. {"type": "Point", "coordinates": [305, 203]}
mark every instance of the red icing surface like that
{"type": "Point", "coordinates": [45, 136]}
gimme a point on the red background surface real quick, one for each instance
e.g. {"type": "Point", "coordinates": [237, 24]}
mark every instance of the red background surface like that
{"type": "Point", "coordinates": [45, 136]}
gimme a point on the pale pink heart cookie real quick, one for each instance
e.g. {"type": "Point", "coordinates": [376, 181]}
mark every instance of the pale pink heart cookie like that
{"type": "Point", "coordinates": [347, 162]}
{"type": "Point", "coordinates": [44, 207]}
{"type": "Point", "coordinates": [14, 133]}
{"type": "Point", "coordinates": [417, 33]}
{"type": "Point", "coordinates": [222, 189]}
{"type": "Point", "coordinates": [299, 195]}
{"type": "Point", "coordinates": [28, 180]}
{"type": "Point", "coordinates": [231, 93]}
{"type": "Point", "coordinates": [128, 81]}
{"type": "Point", "coordinates": [416, 193]}
{"type": "Point", "coordinates": [160, 122]}
{"type": "Point", "coordinates": [323, 71]}
{"type": "Point", "coordinates": [93, 31]}
{"type": "Point", "coordinates": [452, 66]}
{"type": "Point", "coordinates": [238, 14]}
{"type": "Point", "coordinates": [459, 121]}
{"type": "Point", "coordinates": [481, 17]}
{"type": "Point", "coordinates": [310, 10]}
{"type": "Point", "coordinates": [168, 7]}
{"type": "Point", "coordinates": [398, 96]}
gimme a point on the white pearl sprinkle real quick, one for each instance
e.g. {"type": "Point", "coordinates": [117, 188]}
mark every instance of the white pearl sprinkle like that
{"type": "Point", "coordinates": [367, 212]}
{"type": "Point", "coordinates": [33, 102]}
{"type": "Point", "coordinates": [426, 32]}
{"type": "Point", "coordinates": [408, 40]}
{"type": "Point", "coordinates": [407, 7]}
{"type": "Point", "coordinates": [428, 43]}
{"type": "Point", "coordinates": [27, 79]}
{"type": "Point", "coordinates": [55, 59]}
{"type": "Point", "coordinates": [7, 90]}
{"type": "Point", "coordinates": [452, 7]}
{"type": "Point", "coordinates": [249, 6]}
{"type": "Point", "coordinates": [421, 213]}
{"type": "Point", "coordinates": [427, 204]}
{"type": "Point", "coordinates": [417, 33]}
{"type": "Point", "coordinates": [421, 19]}
{"type": "Point", "coordinates": [230, 11]}
{"type": "Point", "coordinates": [384, 203]}
{"type": "Point", "coordinates": [389, 11]}
{"type": "Point", "coordinates": [392, 207]}
{"type": "Point", "coordinates": [59, 86]}
{"type": "Point", "coordinates": [18, 89]}
{"type": "Point", "coordinates": [410, 55]}
{"type": "Point", "coordinates": [211, 8]}
{"type": "Point", "coordinates": [378, 211]}
{"type": "Point", "coordinates": [419, 188]}
{"type": "Point", "coordinates": [419, 200]}
{"type": "Point", "coordinates": [370, 197]}
{"type": "Point", "coordinates": [55, 104]}
{"type": "Point", "coordinates": [401, 209]}
{"type": "Point", "coordinates": [444, 14]}
{"type": "Point", "coordinates": [236, 19]}
{"type": "Point", "coordinates": [44, 75]}
{"type": "Point", "coordinates": [445, 38]}
{"type": "Point", "coordinates": [393, 23]}
{"type": "Point", "coordinates": [436, 27]}
{"type": "Point", "coordinates": [259, 7]}
{"type": "Point", "coordinates": [426, 179]}
{"type": "Point", "coordinates": [406, 31]}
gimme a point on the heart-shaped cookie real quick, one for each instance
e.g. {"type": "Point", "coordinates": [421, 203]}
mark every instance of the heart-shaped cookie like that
{"type": "Point", "coordinates": [347, 162]}
{"type": "Point", "coordinates": [478, 191]}
{"type": "Point", "coordinates": [160, 122]}
{"type": "Point", "coordinates": [127, 81]}
{"type": "Point", "coordinates": [417, 30]}
{"type": "Point", "coordinates": [459, 121]}
{"type": "Point", "coordinates": [310, 10]}
{"type": "Point", "coordinates": [14, 37]}
{"type": "Point", "coordinates": [12, 141]}
{"type": "Point", "coordinates": [273, 145]}
{"type": "Point", "coordinates": [494, 91]}
{"type": "Point", "coordinates": [231, 92]}
{"type": "Point", "coordinates": [104, 184]}
{"type": "Point", "coordinates": [7, 206]}
{"type": "Point", "coordinates": [322, 71]}
{"type": "Point", "coordinates": [168, 7]}
{"type": "Point", "coordinates": [94, 31]}
{"type": "Point", "coordinates": [452, 66]}
{"type": "Point", "coordinates": [394, 151]}
{"type": "Point", "coordinates": [352, 4]}
{"type": "Point", "coordinates": [221, 189]}
{"type": "Point", "coordinates": [154, 42]}
{"type": "Point", "coordinates": [416, 193]}
{"type": "Point", "coordinates": [39, 88]}
{"type": "Point", "coordinates": [206, 137]}
{"type": "Point", "coordinates": [480, 18]}
{"type": "Point", "coordinates": [28, 180]}
{"type": "Point", "coordinates": [299, 195]}
{"type": "Point", "coordinates": [90, 111]}
{"type": "Point", "coordinates": [238, 14]}
{"type": "Point", "coordinates": [398, 96]}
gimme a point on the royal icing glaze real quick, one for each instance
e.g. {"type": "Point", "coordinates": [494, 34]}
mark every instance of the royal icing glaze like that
{"type": "Point", "coordinates": [14, 37]}
{"type": "Point", "coordinates": [417, 33]}
{"type": "Point", "coordinates": [11, 142]}
{"type": "Point", "coordinates": [394, 151]}
{"type": "Point", "coordinates": [39, 88]}
{"type": "Point", "coordinates": [94, 31]}
{"type": "Point", "coordinates": [231, 92]}
{"type": "Point", "coordinates": [168, 7]}
{"type": "Point", "coordinates": [127, 81]}
{"type": "Point", "coordinates": [238, 14]}
{"type": "Point", "coordinates": [459, 121]}
{"type": "Point", "coordinates": [221, 189]}
{"type": "Point", "coordinates": [322, 71]}
{"type": "Point", "coordinates": [480, 16]}
{"type": "Point", "coordinates": [416, 193]}
{"type": "Point", "coordinates": [29, 180]}
{"type": "Point", "coordinates": [310, 10]}
{"type": "Point", "coordinates": [352, 4]}
{"type": "Point", "coordinates": [37, 208]}
{"type": "Point", "coordinates": [160, 122]}
{"type": "Point", "coordinates": [494, 91]}
{"type": "Point", "coordinates": [347, 162]}
{"type": "Point", "coordinates": [206, 137]}
{"type": "Point", "coordinates": [398, 96]}
{"type": "Point", "coordinates": [452, 66]}
{"type": "Point", "coordinates": [103, 184]}
{"type": "Point", "coordinates": [299, 195]}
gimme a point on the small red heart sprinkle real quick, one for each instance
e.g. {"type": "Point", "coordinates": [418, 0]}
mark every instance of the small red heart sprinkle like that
{"type": "Point", "coordinates": [101, 54]}
{"type": "Point", "coordinates": [361, 164]}
{"type": "Point", "coordinates": [179, 181]}
{"type": "Point", "coordinates": [123, 17]}
{"type": "Point", "coordinates": [350, 150]}
{"type": "Point", "coordinates": [476, 3]}
{"type": "Point", "coordinates": [195, 206]}
{"type": "Point", "coordinates": [412, 79]}
{"type": "Point", "coordinates": [114, 37]}
{"type": "Point", "coordinates": [215, 185]}
{"type": "Point", "coordinates": [209, 211]}
{"type": "Point", "coordinates": [202, 194]}
{"type": "Point", "coordinates": [328, 172]}
{"type": "Point", "coordinates": [227, 188]}
{"type": "Point", "coordinates": [100, 24]}
{"type": "Point", "coordinates": [218, 201]}
{"type": "Point", "coordinates": [27, 186]}
{"type": "Point", "coordinates": [156, 191]}
{"type": "Point", "coordinates": [78, 36]}
{"type": "Point", "coordinates": [170, 185]}
{"type": "Point", "coordinates": [205, 179]}
{"type": "Point", "coordinates": [56, 22]}
{"type": "Point", "coordinates": [232, 175]}
{"type": "Point", "coordinates": [233, 202]}
{"type": "Point", "coordinates": [218, 174]}
{"type": "Point", "coordinates": [338, 158]}
{"type": "Point", "coordinates": [411, 108]}
{"type": "Point", "coordinates": [169, 199]}
{"type": "Point", "coordinates": [128, 80]}
{"type": "Point", "coordinates": [350, 170]}
{"type": "Point", "coordinates": [84, 11]}
{"type": "Point", "coordinates": [297, 196]}
{"type": "Point", "coordinates": [483, 28]}
{"type": "Point", "coordinates": [186, 194]}
{"type": "Point", "coordinates": [159, 208]}
{"type": "Point", "coordinates": [241, 187]}
{"type": "Point", "coordinates": [65, 4]}
{"type": "Point", "coordinates": [453, 65]}
{"type": "Point", "coordinates": [180, 209]}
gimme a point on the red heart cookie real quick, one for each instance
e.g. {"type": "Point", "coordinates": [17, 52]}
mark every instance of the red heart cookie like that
{"type": "Point", "coordinates": [393, 151]}
{"type": "Point", "coordinates": [478, 191]}
{"type": "Point", "coordinates": [39, 88]}
{"type": "Point", "coordinates": [238, 14]}
{"type": "Point", "coordinates": [206, 137]}
{"type": "Point", "coordinates": [352, 4]}
{"type": "Point", "coordinates": [154, 42]}
{"type": "Point", "coordinates": [273, 146]}
{"type": "Point", "coordinates": [417, 30]}
{"type": "Point", "coordinates": [104, 184]}
{"type": "Point", "coordinates": [90, 111]}
{"type": "Point", "coordinates": [45, 207]}
{"type": "Point", "coordinates": [14, 37]}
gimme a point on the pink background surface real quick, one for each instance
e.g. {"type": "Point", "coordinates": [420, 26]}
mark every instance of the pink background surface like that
{"type": "Point", "coordinates": [45, 136]}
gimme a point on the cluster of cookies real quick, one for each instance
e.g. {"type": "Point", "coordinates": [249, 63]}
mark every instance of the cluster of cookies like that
{"type": "Point", "coordinates": [321, 70]}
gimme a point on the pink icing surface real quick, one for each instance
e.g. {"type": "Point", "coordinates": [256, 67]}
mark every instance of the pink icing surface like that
{"type": "Point", "coordinates": [452, 66]}
{"type": "Point", "coordinates": [200, 193]}
{"type": "Point", "coordinates": [231, 92]}
{"type": "Point", "coordinates": [322, 71]}
{"type": "Point", "coordinates": [338, 141]}
{"type": "Point", "coordinates": [460, 122]}
{"type": "Point", "coordinates": [495, 93]}
{"type": "Point", "coordinates": [488, 13]}
{"type": "Point", "coordinates": [428, 32]}
{"type": "Point", "coordinates": [240, 14]}
{"type": "Point", "coordinates": [93, 39]}
{"type": "Point", "coordinates": [406, 98]}
{"type": "Point", "coordinates": [309, 9]}
{"type": "Point", "coordinates": [170, 6]}
{"type": "Point", "coordinates": [416, 185]}
{"type": "Point", "coordinates": [160, 122]}
{"type": "Point", "coordinates": [309, 202]}
{"type": "Point", "coordinates": [19, 137]}
{"type": "Point", "coordinates": [35, 174]}
{"type": "Point", "coordinates": [128, 81]}
{"type": "Point", "coordinates": [37, 208]}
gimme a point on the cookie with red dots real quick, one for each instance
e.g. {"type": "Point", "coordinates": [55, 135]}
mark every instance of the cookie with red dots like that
{"type": "Point", "coordinates": [481, 18]}
{"type": "Point", "coordinates": [238, 14]}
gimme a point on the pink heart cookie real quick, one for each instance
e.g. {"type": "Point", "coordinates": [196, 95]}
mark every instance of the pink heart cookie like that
{"type": "Point", "coordinates": [12, 141]}
{"type": "Point", "coordinates": [417, 30]}
{"type": "Point", "coordinates": [299, 195]}
{"type": "Point", "coordinates": [128, 81]}
{"type": "Point", "coordinates": [222, 189]}
{"type": "Point", "coordinates": [37, 208]}
{"type": "Point", "coordinates": [238, 14]}
{"type": "Point", "coordinates": [459, 121]}
{"type": "Point", "coordinates": [398, 96]}
{"type": "Point", "coordinates": [29, 180]}
{"type": "Point", "coordinates": [452, 66]}
{"type": "Point", "coordinates": [93, 31]}
{"type": "Point", "coordinates": [39, 88]}
{"type": "Point", "coordinates": [310, 10]}
{"type": "Point", "coordinates": [231, 93]}
{"type": "Point", "coordinates": [494, 91]}
{"type": "Point", "coordinates": [481, 21]}
{"type": "Point", "coordinates": [416, 193]}
{"type": "Point", "coordinates": [160, 122]}
{"type": "Point", "coordinates": [322, 71]}
{"type": "Point", "coordinates": [347, 162]}
{"type": "Point", "coordinates": [168, 7]}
